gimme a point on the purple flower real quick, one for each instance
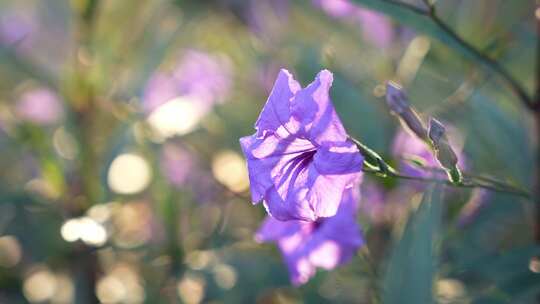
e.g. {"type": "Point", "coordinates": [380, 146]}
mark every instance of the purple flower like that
{"type": "Point", "coordinates": [410, 148]}
{"type": "Point", "coordinates": [15, 26]}
{"type": "Point", "coordinates": [182, 169]}
{"type": "Point", "coordinates": [177, 164]}
{"type": "Point", "coordinates": [337, 8]}
{"type": "Point", "coordinates": [300, 160]}
{"type": "Point", "coordinates": [198, 76]}
{"type": "Point", "coordinates": [44, 41]}
{"type": "Point", "coordinates": [161, 88]}
{"type": "Point", "coordinates": [326, 243]}
{"type": "Point", "coordinates": [376, 28]}
{"type": "Point", "coordinates": [385, 206]}
{"type": "Point", "coordinates": [39, 106]}
{"type": "Point", "coordinates": [373, 201]}
{"type": "Point", "coordinates": [407, 148]}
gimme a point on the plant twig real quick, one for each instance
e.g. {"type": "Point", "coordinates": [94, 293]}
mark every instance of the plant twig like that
{"type": "Point", "coordinates": [452, 37]}
{"type": "Point", "coordinates": [382, 169]}
{"type": "Point", "coordinates": [372, 160]}
{"type": "Point", "coordinates": [491, 63]}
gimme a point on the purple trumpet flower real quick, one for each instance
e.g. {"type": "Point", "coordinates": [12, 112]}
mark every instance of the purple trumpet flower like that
{"type": "Point", "coordinates": [300, 160]}
{"type": "Point", "coordinates": [326, 243]}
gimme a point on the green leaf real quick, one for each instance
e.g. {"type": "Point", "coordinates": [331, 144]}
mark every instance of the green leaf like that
{"type": "Point", "coordinates": [409, 276]}
{"type": "Point", "coordinates": [490, 129]}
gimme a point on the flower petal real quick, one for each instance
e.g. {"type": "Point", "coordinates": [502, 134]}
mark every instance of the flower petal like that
{"type": "Point", "coordinates": [276, 111]}
{"type": "Point", "coordinates": [313, 109]}
{"type": "Point", "coordinates": [307, 245]}
{"type": "Point", "coordinates": [273, 230]}
{"type": "Point", "coordinates": [338, 158]}
{"type": "Point", "coordinates": [269, 161]}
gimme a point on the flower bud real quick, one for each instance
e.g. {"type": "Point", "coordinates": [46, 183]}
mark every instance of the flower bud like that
{"type": "Point", "coordinates": [436, 131]}
{"type": "Point", "coordinates": [443, 151]}
{"type": "Point", "coordinates": [399, 104]}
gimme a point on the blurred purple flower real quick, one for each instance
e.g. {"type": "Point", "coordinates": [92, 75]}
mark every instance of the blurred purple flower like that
{"type": "Point", "coordinates": [300, 160]}
{"type": "Point", "coordinates": [410, 148]}
{"type": "Point", "coordinates": [161, 88]}
{"type": "Point", "coordinates": [200, 76]}
{"type": "Point", "coordinates": [25, 30]}
{"type": "Point", "coordinates": [373, 201]}
{"type": "Point", "coordinates": [385, 206]}
{"type": "Point", "coordinates": [337, 8]}
{"type": "Point", "coordinates": [16, 26]}
{"type": "Point", "coordinates": [376, 28]}
{"type": "Point", "coordinates": [181, 169]}
{"type": "Point", "coordinates": [39, 106]}
{"type": "Point", "coordinates": [176, 164]}
{"type": "Point", "coordinates": [326, 243]}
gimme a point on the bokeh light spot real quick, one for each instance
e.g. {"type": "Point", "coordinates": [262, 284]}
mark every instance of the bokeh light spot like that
{"type": "Point", "coordinates": [450, 291]}
{"type": "Point", "coordinates": [178, 116]}
{"type": "Point", "coordinates": [110, 290]}
{"type": "Point", "coordinates": [39, 286]}
{"type": "Point", "coordinates": [129, 174]}
{"type": "Point", "coordinates": [10, 251]}
{"type": "Point", "coordinates": [84, 229]}
{"type": "Point", "coordinates": [225, 276]}
{"type": "Point", "coordinates": [121, 285]}
{"type": "Point", "coordinates": [534, 265]}
{"type": "Point", "coordinates": [230, 169]}
{"type": "Point", "coordinates": [191, 288]}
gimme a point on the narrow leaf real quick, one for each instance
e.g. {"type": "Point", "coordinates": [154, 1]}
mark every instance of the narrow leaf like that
{"type": "Point", "coordinates": [409, 276]}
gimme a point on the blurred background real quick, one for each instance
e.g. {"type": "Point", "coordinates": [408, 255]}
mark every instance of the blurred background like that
{"type": "Point", "coordinates": [122, 180]}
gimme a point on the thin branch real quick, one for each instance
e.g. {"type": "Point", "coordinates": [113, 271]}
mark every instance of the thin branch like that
{"type": "Point", "coordinates": [464, 184]}
{"type": "Point", "coordinates": [487, 61]}
{"type": "Point", "coordinates": [374, 164]}
{"type": "Point", "coordinates": [480, 179]}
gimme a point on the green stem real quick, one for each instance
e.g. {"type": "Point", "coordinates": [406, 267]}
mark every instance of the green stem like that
{"type": "Point", "coordinates": [373, 160]}
{"type": "Point", "coordinates": [171, 212]}
{"type": "Point", "coordinates": [376, 165]}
